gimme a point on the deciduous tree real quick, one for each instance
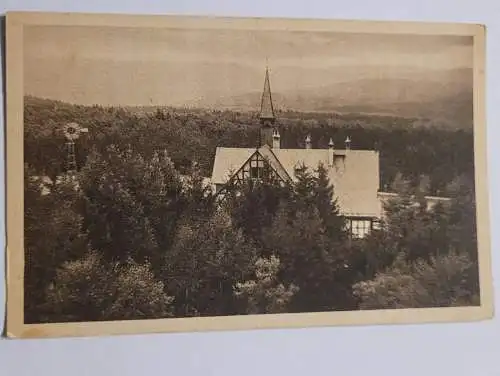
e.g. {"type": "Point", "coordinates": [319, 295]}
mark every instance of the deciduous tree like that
{"type": "Point", "coordinates": [91, 289]}
{"type": "Point", "coordinates": [265, 293]}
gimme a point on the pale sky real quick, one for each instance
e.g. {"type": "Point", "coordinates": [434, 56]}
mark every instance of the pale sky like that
{"type": "Point", "coordinates": [124, 66]}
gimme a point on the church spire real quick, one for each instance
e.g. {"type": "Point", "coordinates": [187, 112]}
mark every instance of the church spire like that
{"type": "Point", "coordinates": [267, 117]}
{"type": "Point", "coordinates": [266, 104]}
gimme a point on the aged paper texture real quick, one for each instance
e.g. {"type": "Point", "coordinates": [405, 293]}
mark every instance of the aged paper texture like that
{"type": "Point", "coordinates": [169, 174]}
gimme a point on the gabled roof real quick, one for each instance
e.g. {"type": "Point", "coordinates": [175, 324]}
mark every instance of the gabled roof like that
{"type": "Point", "coordinates": [229, 160]}
{"type": "Point", "coordinates": [355, 175]}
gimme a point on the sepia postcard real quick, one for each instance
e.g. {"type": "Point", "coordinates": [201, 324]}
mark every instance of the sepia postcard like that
{"type": "Point", "coordinates": [179, 174]}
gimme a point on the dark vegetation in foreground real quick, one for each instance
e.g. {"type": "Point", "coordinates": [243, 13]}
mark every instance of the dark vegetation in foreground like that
{"type": "Point", "coordinates": [138, 239]}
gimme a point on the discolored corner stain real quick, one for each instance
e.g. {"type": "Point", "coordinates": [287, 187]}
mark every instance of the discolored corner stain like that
{"type": "Point", "coordinates": [10, 335]}
{"type": "Point", "coordinates": [481, 29]}
{"type": "Point", "coordinates": [33, 333]}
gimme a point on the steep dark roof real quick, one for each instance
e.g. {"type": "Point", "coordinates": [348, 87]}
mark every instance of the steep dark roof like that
{"type": "Point", "coordinates": [266, 104]}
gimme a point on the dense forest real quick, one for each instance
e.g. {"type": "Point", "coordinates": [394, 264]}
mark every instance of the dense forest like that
{"type": "Point", "coordinates": [412, 147]}
{"type": "Point", "coordinates": [138, 235]}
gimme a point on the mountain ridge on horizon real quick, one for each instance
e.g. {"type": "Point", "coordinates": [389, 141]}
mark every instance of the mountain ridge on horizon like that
{"type": "Point", "coordinates": [449, 100]}
{"type": "Point", "coordinates": [435, 95]}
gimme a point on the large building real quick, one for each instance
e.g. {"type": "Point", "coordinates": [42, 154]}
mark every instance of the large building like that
{"type": "Point", "coordinates": [353, 173]}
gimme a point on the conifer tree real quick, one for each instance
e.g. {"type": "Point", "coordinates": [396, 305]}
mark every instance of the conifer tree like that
{"type": "Point", "coordinates": [308, 245]}
{"type": "Point", "coordinates": [253, 204]}
{"type": "Point", "coordinates": [132, 204]}
{"type": "Point", "coordinates": [116, 220]}
{"type": "Point", "coordinates": [327, 206]}
{"type": "Point", "coordinates": [207, 259]}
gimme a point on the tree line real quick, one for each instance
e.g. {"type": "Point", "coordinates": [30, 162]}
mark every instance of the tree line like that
{"type": "Point", "coordinates": [411, 147]}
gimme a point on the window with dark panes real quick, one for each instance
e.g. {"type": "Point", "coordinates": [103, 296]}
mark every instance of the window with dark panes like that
{"type": "Point", "coordinates": [361, 227]}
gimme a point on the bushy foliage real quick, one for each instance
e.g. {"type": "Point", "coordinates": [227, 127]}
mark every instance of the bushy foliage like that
{"type": "Point", "coordinates": [265, 294]}
{"type": "Point", "coordinates": [443, 281]}
{"type": "Point", "coordinates": [425, 257]}
{"type": "Point", "coordinates": [53, 235]}
{"type": "Point", "coordinates": [90, 289]}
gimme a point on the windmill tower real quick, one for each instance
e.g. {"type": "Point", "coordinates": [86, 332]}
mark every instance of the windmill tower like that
{"type": "Point", "coordinates": [72, 132]}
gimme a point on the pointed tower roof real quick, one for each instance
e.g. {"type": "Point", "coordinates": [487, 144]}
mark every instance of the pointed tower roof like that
{"type": "Point", "coordinates": [266, 104]}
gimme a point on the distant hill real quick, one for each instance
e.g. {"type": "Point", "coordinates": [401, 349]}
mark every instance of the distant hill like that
{"type": "Point", "coordinates": [439, 97]}
{"type": "Point", "coordinates": [443, 97]}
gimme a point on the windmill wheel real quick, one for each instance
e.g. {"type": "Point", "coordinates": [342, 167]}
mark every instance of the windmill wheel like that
{"type": "Point", "coordinates": [72, 131]}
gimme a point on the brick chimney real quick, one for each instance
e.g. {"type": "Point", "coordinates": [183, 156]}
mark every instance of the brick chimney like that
{"type": "Point", "coordinates": [308, 142]}
{"type": "Point", "coordinates": [347, 143]}
{"type": "Point", "coordinates": [331, 153]}
{"type": "Point", "coordinates": [276, 139]}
